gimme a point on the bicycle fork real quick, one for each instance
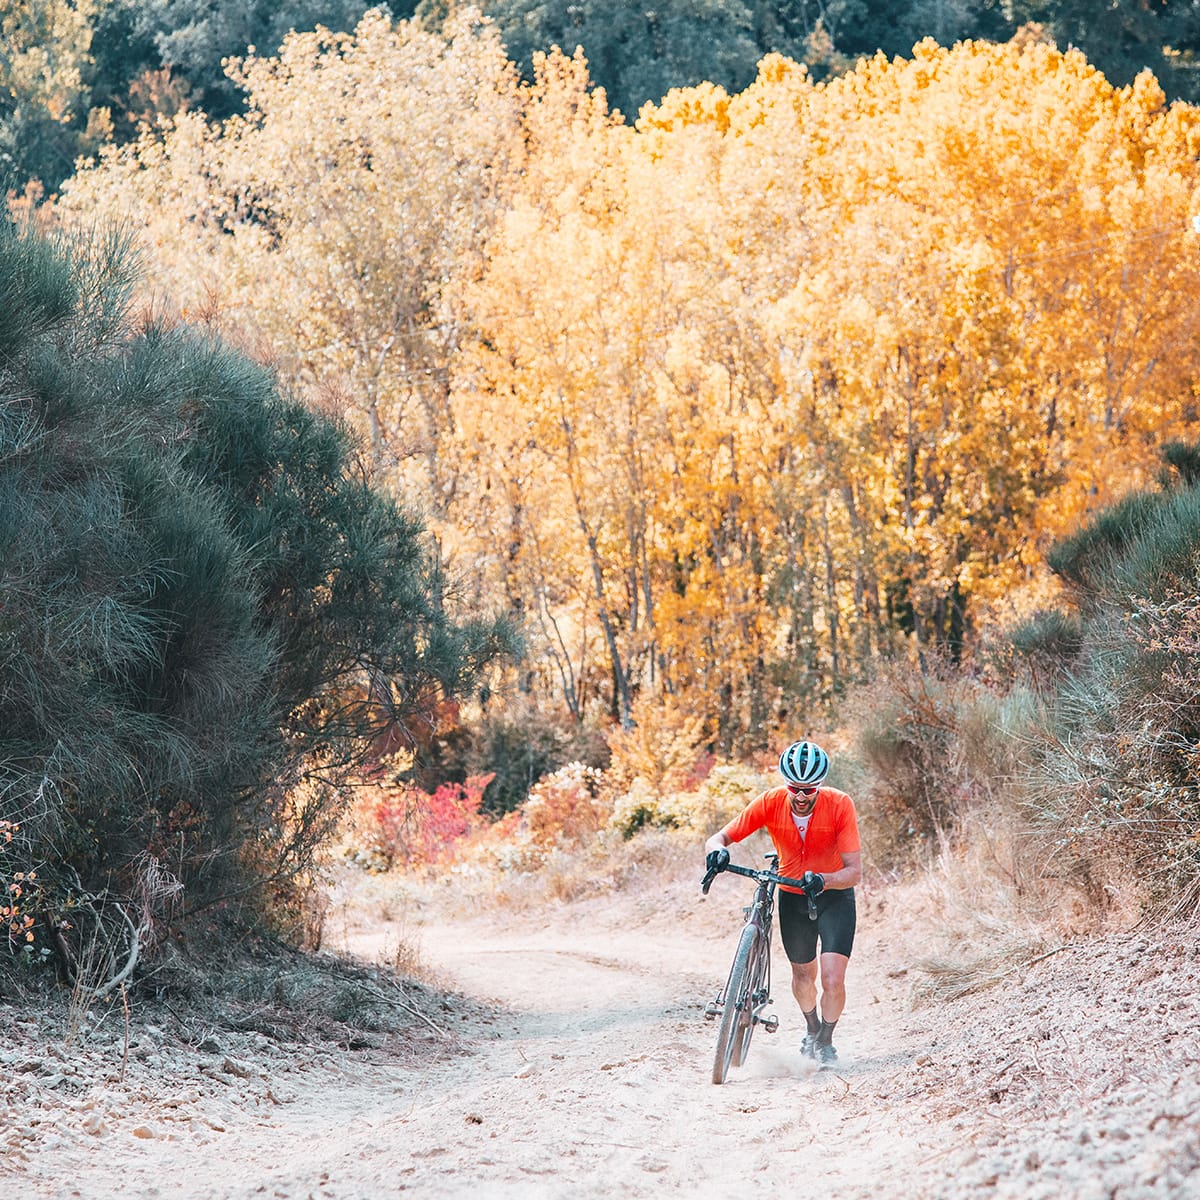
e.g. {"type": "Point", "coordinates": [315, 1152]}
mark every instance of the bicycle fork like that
{"type": "Point", "coordinates": [759, 1001]}
{"type": "Point", "coordinates": [769, 1021]}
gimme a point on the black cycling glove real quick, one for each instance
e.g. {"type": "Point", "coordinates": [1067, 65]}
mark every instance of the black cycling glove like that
{"type": "Point", "coordinates": [716, 860]}
{"type": "Point", "coordinates": [814, 884]}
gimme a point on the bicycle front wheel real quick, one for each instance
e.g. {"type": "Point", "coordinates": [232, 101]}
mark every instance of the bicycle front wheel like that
{"type": "Point", "coordinates": [756, 975]}
{"type": "Point", "coordinates": [737, 1001]}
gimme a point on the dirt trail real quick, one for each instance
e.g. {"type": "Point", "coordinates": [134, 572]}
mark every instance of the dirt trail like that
{"type": "Point", "coordinates": [589, 1077]}
{"type": "Point", "coordinates": [597, 1080]}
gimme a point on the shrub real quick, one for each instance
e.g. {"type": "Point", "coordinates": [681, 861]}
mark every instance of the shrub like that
{"type": "Point", "coordinates": [194, 572]}
{"type": "Point", "coordinates": [662, 751]}
{"type": "Point", "coordinates": [725, 791]}
{"type": "Point", "coordinates": [564, 812]}
{"type": "Point", "coordinates": [1085, 559]}
{"type": "Point", "coordinates": [1048, 645]}
{"type": "Point", "coordinates": [518, 744]}
{"type": "Point", "coordinates": [932, 743]}
{"type": "Point", "coordinates": [1118, 774]}
{"type": "Point", "coordinates": [640, 807]}
{"type": "Point", "coordinates": [398, 824]}
{"type": "Point", "coordinates": [1146, 545]}
{"type": "Point", "coordinates": [1184, 459]}
{"type": "Point", "coordinates": [1161, 563]}
{"type": "Point", "coordinates": [565, 807]}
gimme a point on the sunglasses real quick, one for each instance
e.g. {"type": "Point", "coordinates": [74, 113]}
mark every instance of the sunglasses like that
{"type": "Point", "coordinates": [807, 791]}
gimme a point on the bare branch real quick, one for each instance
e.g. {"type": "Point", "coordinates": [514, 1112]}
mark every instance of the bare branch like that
{"type": "Point", "coordinates": [122, 975]}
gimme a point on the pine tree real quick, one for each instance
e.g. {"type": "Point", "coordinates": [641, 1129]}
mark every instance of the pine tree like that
{"type": "Point", "coordinates": [205, 612]}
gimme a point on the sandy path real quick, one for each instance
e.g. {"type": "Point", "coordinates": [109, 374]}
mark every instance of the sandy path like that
{"type": "Point", "coordinates": [595, 1081]}
{"type": "Point", "coordinates": [589, 1077]}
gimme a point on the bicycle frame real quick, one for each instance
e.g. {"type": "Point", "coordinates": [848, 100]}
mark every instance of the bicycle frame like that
{"type": "Point", "coordinates": [747, 992]}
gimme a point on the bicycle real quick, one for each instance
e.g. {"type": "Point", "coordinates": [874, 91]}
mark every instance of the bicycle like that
{"type": "Point", "coordinates": [749, 982]}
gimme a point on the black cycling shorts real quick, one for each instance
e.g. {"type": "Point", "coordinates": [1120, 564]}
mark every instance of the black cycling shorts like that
{"type": "Point", "coordinates": [834, 924]}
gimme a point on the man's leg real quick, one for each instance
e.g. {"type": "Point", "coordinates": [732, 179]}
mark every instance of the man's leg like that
{"type": "Point", "coordinates": [836, 920]}
{"type": "Point", "coordinates": [799, 936]}
{"type": "Point", "coordinates": [833, 1000]}
{"type": "Point", "coordinates": [833, 985]}
{"type": "Point", "coordinates": [804, 988]}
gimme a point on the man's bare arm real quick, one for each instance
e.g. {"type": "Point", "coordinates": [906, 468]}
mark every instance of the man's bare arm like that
{"type": "Point", "coordinates": [849, 875]}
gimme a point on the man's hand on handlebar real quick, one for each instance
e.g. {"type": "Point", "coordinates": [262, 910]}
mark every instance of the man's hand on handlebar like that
{"type": "Point", "coordinates": [716, 861]}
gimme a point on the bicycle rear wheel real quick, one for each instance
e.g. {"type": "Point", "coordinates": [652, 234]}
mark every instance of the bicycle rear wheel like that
{"type": "Point", "coordinates": [737, 1001]}
{"type": "Point", "coordinates": [756, 976]}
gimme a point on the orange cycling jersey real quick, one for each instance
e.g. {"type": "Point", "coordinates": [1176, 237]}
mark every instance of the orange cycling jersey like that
{"type": "Point", "coordinates": [832, 830]}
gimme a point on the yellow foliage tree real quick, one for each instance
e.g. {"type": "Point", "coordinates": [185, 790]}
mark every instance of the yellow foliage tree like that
{"type": "Point", "coordinates": [326, 226]}
{"type": "Point", "coordinates": [989, 307]}
{"type": "Point", "coordinates": [729, 402]}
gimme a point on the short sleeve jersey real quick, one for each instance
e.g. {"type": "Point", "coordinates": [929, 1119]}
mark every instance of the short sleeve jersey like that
{"type": "Point", "coordinates": [832, 831]}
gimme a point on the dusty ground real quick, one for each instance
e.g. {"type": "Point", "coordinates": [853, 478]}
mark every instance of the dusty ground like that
{"type": "Point", "coordinates": [585, 1072]}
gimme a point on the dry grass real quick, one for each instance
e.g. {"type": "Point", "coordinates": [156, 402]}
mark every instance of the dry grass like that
{"type": "Point", "coordinates": [497, 877]}
{"type": "Point", "coordinates": [978, 965]}
{"type": "Point", "coordinates": [608, 863]}
{"type": "Point", "coordinates": [297, 996]}
{"type": "Point", "coordinates": [354, 891]}
{"type": "Point", "coordinates": [988, 906]}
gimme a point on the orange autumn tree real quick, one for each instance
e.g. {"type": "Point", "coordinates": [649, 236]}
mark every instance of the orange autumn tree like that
{"type": "Point", "coordinates": [890, 330]}
{"type": "Point", "coordinates": [538, 398]}
{"type": "Point", "coordinates": [993, 304]}
{"type": "Point", "coordinates": [621, 384]}
{"type": "Point", "coordinates": [726, 403]}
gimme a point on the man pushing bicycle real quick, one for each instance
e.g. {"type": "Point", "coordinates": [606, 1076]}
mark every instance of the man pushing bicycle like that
{"type": "Point", "coordinates": [815, 832]}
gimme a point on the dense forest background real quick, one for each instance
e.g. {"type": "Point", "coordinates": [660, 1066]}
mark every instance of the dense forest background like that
{"type": "Point", "coordinates": [560, 430]}
{"type": "Point", "coordinates": [77, 73]}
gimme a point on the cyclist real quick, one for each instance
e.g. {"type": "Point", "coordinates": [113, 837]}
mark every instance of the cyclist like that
{"type": "Point", "coordinates": [815, 832]}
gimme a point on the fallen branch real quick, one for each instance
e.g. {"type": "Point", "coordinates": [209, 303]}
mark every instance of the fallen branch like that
{"type": "Point", "coordinates": [416, 1012]}
{"type": "Point", "coordinates": [1051, 953]}
{"type": "Point", "coordinates": [125, 1050]}
{"type": "Point", "coordinates": [118, 980]}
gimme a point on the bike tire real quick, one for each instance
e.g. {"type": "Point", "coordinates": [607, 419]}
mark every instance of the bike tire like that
{"type": "Point", "coordinates": [736, 998]}
{"type": "Point", "coordinates": [745, 1022]}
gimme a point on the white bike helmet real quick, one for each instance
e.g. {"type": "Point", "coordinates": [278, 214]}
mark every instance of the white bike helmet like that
{"type": "Point", "coordinates": [804, 763]}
